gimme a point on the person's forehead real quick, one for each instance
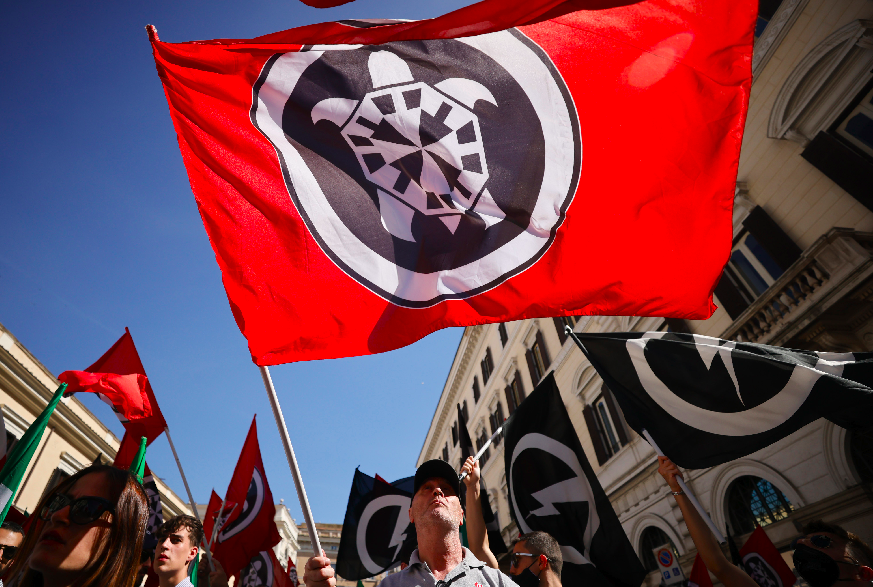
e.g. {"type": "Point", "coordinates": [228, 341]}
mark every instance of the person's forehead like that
{"type": "Point", "coordinates": [9, 538]}
{"type": "Point", "coordinates": [521, 547]}
{"type": "Point", "coordinates": [92, 484]}
{"type": "Point", "coordinates": [438, 481]}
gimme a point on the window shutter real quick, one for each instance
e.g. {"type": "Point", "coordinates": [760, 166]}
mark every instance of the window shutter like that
{"type": "Point", "coordinates": [455, 434]}
{"type": "Point", "coordinates": [490, 360]}
{"type": "Point", "coordinates": [504, 336]}
{"type": "Point", "coordinates": [510, 401]}
{"type": "Point", "coordinates": [780, 246]}
{"type": "Point", "coordinates": [559, 326]}
{"type": "Point", "coordinates": [500, 416]}
{"type": "Point", "coordinates": [542, 344]}
{"type": "Point", "coordinates": [678, 325]}
{"type": "Point", "coordinates": [476, 392]}
{"type": "Point", "coordinates": [485, 372]}
{"type": "Point", "coordinates": [465, 412]}
{"type": "Point", "coordinates": [729, 295]}
{"type": "Point", "coordinates": [594, 433]}
{"type": "Point", "coordinates": [521, 393]}
{"type": "Point", "coordinates": [532, 367]}
{"type": "Point", "coordinates": [617, 416]}
{"type": "Point", "coordinates": [847, 167]}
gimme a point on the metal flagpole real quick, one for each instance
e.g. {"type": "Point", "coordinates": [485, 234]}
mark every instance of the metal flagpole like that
{"type": "Point", "coordinates": [483, 449]}
{"type": "Point", "coordinates": [716, 532]}
{"type": "Point", "coordinates": [188, 489]}
{"type": "Point", "coordinates": [718, 535]}
{"type": "Point", "coordinates": [292, 461]}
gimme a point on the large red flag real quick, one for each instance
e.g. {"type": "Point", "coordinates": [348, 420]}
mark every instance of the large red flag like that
{"type": "Point", "coordinates": [251, 528]}
{"type": "Point", "coordinates": [764, 563]}
{"type": "Point", "coordinates": [364, 184]}
{"type": "Point", "coordinates": [123, 360]}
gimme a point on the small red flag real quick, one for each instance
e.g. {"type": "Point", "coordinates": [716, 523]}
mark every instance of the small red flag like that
{"type": "Point", "coordinates": [699, 574]}
{"type": "Point", "coordinates": [126, 394]}
{"type": "Point", "coordinates": [123, 360]}
{"type": "Point", "coordinates": [211, 514]}
{"type": "Point", "coordinates": [251, 528]}
{"type": "Point", "coordinates": [365, 183]}
{"type": "Point", "coordinates": [763, 562]}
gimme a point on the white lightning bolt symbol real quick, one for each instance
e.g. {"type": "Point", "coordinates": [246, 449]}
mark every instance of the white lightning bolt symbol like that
{"type": "Point", "coordinates": [563, 492]}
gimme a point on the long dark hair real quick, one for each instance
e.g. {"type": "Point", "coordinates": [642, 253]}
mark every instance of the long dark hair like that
{"type": "Point", "coordinates": [115, 557]}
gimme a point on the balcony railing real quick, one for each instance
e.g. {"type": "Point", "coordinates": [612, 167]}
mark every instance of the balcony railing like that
{"type": "Point", "coordinates": [833, 265]}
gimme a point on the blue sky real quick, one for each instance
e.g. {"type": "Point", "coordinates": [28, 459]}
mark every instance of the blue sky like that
{"type": "Point", "coordinates": [99, 230]}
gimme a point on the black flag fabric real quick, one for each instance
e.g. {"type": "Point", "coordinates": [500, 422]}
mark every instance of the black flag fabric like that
{"type": "Point", "coordinates": [376, 529]}
{"type": "Point", "coordinates": [707, 401]}
{"type": "Point", "coordinates": [495, 539]}
{"type": "Point", "coordinates": [156, 512]}
{"type": "Point", "coordinates": [552, 488]}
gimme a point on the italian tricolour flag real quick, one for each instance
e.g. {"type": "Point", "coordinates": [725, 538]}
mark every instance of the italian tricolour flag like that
{"type": "Point", "coordinates": [22, 453]}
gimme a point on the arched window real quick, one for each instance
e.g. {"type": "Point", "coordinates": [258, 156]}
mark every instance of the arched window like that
{"type": "Point", "coordinates": [861, 451]}
{"type": "Point", "coordinates": [754, 500]}
{"type": "Point", "coordinates": [651, 538]}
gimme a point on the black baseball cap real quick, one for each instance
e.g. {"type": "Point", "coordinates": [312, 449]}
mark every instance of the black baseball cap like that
{"type": "Point", "coordinates": [436, 468]}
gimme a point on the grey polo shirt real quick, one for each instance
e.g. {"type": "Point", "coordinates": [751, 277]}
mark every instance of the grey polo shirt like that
{"type": "Point", "coordinates": [470, 572]}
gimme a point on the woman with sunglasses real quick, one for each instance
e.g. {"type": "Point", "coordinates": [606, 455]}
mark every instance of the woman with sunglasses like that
{"type": "Point", "coordinates": [825, 556]}
{"type": "Point", "coordinates": [89, 532]}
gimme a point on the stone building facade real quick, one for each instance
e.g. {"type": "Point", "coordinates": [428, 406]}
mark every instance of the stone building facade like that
{"type": "Point", "coordinates": [800, 275]}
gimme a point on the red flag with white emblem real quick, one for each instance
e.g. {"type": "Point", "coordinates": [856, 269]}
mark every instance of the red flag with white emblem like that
{"type": "Point", "coordinates": [762, 560]}
{"type": "Point", "coordinates": [365, 183]}
{"type": "Point", "coordinates": [250, 529]}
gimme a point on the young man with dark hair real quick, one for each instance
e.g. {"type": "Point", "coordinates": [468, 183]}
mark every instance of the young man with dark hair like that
{"type": "Point", "coordinates": [824, 556]}
{"type": "Point", "coordinates": [536, 560]}
{"type": "Point", "coordinates": [11, 537]}
{"type": "Point", "coordinates": [178, 543]}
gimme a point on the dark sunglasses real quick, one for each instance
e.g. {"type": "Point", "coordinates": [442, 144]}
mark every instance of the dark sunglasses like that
{"type": "Point", "coordinates": [8, 551]}
{"type": "Point", "coordinates": [83, 510]}
{"type": "Point", "coordinates": [817, 540]}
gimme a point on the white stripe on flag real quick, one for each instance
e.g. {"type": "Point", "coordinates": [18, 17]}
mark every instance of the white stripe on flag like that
{"type": "Point", "coordinates": [5, 496]}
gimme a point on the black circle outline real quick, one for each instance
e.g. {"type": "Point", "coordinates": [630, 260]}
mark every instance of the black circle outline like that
{"type": "Point", "coordinates": [396, 300]}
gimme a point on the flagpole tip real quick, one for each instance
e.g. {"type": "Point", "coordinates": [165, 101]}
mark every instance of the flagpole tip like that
{"type": "Point", "coordinates": [153, 37]}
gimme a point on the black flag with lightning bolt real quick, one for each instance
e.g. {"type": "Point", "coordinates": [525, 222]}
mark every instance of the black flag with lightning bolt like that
{"type": "Point", "coordinates": [553, 488]}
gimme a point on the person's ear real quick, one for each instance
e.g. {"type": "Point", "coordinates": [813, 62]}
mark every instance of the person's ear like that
{"type": "Point", "coordinates": [865, 573]}
{"type": "Point", "coordinates": [411, 520]}
{"type": "Point", "coordinates": [544, 562]}
{"type": "Point", "coordinates": [193, 553]}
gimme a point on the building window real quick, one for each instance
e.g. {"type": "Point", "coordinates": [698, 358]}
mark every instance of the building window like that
{"type": "Point", "coordinates": [11, 439]}
{"type": "Point", "coordinates": [455, 434]}
{"type": "Point", "coordinates": [766, 10]}
{"type": "Point", "coordinates": [605, 426]}
{"type": "Point", "coordinates": [514, 392]}
{"type": "Point", "coordinates": [464, 411]}
{"type": "Point", "coordinates": [504, 336]}
{"type": "Point", "coordinates": [476, 393]}
{"type": "Point", "coordinates": [651, 538]}
{"type": "Point", "coordinates": [487, 365]}
{"type": "Point", "coordinates": [496, 421]}
{"type": "Point", "coordinates": [538, 359]}
{"type": "Point", "coordinates": [760, 255]}
{"type": "Point", "coordinates": [446, 452]}
{"type": "Point", "coordinates": [480, 442]}
{"type": "Point", "coordinates": [861, 452]}
{"type": "Point", "coordinates": [856, 127]}
{"type": "Point", "coordinates": [755, 501]}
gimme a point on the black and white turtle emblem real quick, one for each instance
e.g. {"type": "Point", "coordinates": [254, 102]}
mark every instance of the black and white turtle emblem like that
{"type": "Point", "coordinates": [259, 572]}
{"type": "Point", "coordinates": [426, 170]}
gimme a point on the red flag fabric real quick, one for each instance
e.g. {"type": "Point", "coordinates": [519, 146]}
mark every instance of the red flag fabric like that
{"type": "Point", "coordinates": [292, 573]}
{"type": "Point", "coordinates": [364, 184]}
{"type": "Point", "coordinates": [122, 359]}
{"type": "Point", "coordinates": [251, 529]}
{"type": "Point", "coordinates": [211, 514]}
{"type": "Point", "coordinates": [699, 576]}
{"type": "Point", "coordinates": [763, 563]}
{"type": "Point", "coordinates": [126, 394]}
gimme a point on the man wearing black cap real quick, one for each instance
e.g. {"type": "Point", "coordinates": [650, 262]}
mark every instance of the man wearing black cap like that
{"type": "Point", "coordinates": [437, 513]}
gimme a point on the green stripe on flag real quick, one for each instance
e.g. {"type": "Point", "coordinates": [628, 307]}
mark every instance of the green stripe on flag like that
{"type": "Point", "coordinates": [22, 453]}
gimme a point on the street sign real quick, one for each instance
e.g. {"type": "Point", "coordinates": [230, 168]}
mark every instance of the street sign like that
{"type": "Point", "coordinates": [671, 572]}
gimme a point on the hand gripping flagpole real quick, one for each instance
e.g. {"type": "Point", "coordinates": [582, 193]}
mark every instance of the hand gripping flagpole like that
{"type": "Point", "coordinates": [715, 531]}
{"type": "Point", "coordinates": [292, 461]}
{"type": "Point", "coordinates": [483, 449]}
{"type": "Point", "coordinates": [188, 489]}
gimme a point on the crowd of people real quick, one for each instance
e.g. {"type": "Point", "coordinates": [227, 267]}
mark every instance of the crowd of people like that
{"type": "Point", "coordinates": [90, 530]}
